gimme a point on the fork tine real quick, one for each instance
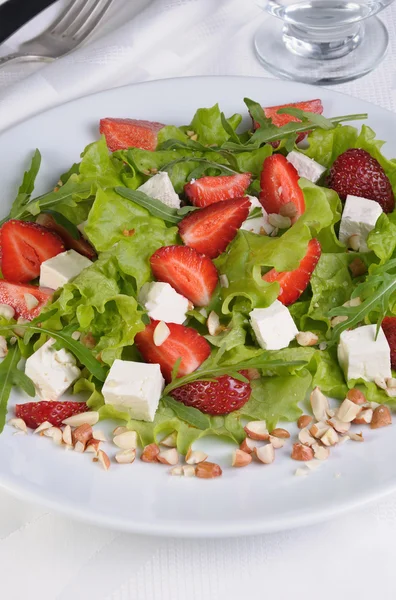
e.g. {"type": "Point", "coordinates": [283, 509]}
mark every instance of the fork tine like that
{"type": "Point", "coordinates": [64, 14]}
{"type": "Point", "coordinates": [93, 19]}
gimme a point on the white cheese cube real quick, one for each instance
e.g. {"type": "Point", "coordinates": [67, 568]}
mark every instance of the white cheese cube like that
{"type": "Point", "coordinates": [52, 371]}
{"type": "Point", "coordinates": [273, 326]}
{"type": "Point", "coordinates": [60, 269]}
{"type": "Point", "coordinates": [160, 187]}
{"type": "Point", "coordinates": [358, 218]}
{"type": "Point", "coordinates": [163, 303]}
{"type": "Point", "coordinates": [260, 224]}
{"type": "Point", "coordinates": [305, 166]}
{"type": "Point", "coordinates": [361, 356]}
{"type": "Point", "coordinates": [134, 387]}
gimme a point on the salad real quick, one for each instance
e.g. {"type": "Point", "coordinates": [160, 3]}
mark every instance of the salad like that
{"type": "Point", "coordinates": [203, 280]}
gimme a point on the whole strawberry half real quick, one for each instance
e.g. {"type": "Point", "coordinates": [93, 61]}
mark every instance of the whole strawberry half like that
{"type": "Point", "coordinates": [219, 397]}
{"type": "Point", "coordinates": [279, 186]}
{"type": "Point", "coordinates": [121, 134]}
{"type": "Point", "coordinates": [389, 328]}
{"type": "Point", "coordinates": [208, 190]}
{"type": "Point", "coordinates": [209, 230]}
{"type": "Point", "coordinates": [357, 173]}
{"type": "Point", "coordinates": [35, 413]}
{"type": "Point", "coordinates": [293, 283]}
{"type": "Point", "coordinates": [24, 246]}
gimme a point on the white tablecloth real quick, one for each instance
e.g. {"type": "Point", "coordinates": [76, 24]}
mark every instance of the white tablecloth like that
{"type": "Point", "coordinates": [48, 557]}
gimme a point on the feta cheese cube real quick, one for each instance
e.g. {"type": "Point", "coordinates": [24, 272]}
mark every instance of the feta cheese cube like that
{"type": "Point", "coordinates": [305, 166]}
{"type": "Point", "coordinates": [260, 224]}
{"type": "Point", "coordinates": [273, 326]}
{"type": "Point", "coordinates": [52, 371]}
{"type": "Point", "coordinates": [163, 303]}
{"type": "Point", "coordinates": [60, 269]}
{"type": "Point", "coordinates": [160, 187]}
{"type": "Point", "coordinates": [361, 356]}
{"type": "Point", "coordinates": [358, 218]}
{"type": "Point", "coordinates": [134, 387]}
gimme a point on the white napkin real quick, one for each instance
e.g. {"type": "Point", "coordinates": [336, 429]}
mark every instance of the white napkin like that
{"type": "Point", "coordinates": [167, 38]}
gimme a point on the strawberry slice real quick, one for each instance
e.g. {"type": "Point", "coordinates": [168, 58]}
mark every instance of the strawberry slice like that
{"type": "Point", "coordinates": [35, 413]}
{"type": "Point", "coordinates": [389, 328]}
{"type": "Point", "coordinates": [279, 185]}
{"type": "Point", "coordinates": [14, 295]}
{"type": "Point", "coordinates": [191, 274]}
{"type": "Point", "coordinates": [358, 173]}
{"type": "Point", "coordinates": [24, 246]}
{"type": "Point", "coordinates": [208, 190]}
{"type": "Point", "coordinates": [219, 397]}
{"type": "Point", "coordinates": [121, 134]}
{"type": "Point", "coordinates": [271, 112]}
{"type": "Point", "coordinates": [209, 230]}
{"type": "Point", "coordinates": [79, 245]}
{"type": "Point", "coordinates": [293, 283]}
{"type": "Point", "coordinates": [183, 342]}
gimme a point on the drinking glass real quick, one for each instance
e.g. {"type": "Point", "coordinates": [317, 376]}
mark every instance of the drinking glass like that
{"type": "Point", "coordinates": [322, 41]}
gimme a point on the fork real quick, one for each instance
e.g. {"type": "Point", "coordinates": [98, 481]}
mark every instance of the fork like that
{"type": "Point", "coordinates": [67, 32]}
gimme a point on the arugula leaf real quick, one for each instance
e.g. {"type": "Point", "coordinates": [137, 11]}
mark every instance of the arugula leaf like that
{"type": "Point", "coordinates": [64, 222]}
{"type": "Point", "coordinates": [154, 206]}
{"type": "Point", "coordinates": [376, 292]}
{"type": "Point", "coordinates": [306, 116]}
{"type": "Point", "coordinates": [189, 414]}
{"type": "Point", "coordinates": [9, 376]}
{"type": "Point", "coordinates": [27, 186]}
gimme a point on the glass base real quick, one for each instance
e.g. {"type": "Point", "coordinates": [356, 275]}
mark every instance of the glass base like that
{"type": "Point", "coordinates": [285, 53]}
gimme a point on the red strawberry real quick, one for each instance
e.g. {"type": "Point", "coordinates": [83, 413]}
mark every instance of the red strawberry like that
{"type": "Point", "coordinates": [13, 294]}
{"type": "Point", "coordinates": [293, 283]}
{"type": "Point", "coordinates": [279, 185]}
{"type": "Point", "coordinates": [183, 342]}
{"type": "Point", "coordinates": [357, 173]}
{"type": "Point", "coordinates": [271, 112]}
{"type": "Point", "coordinates": [209, 230]}
{"type": "Point", "coordinates": [24, 246]}
{"type": "Point", "coordinates": [35, 413]}
{"type": "Point", "coordinates": [208, 190]}
{"type": "Point", "coordinates": [121, 134]}
{"type": "Point", "coordinates": [188, 272]}
{"type": "Point", "coordinates": [218, 397]}
{"type": "Point", "coordinates": [79, 245]}
{"type": "Point", "coordinates": [389, 327]}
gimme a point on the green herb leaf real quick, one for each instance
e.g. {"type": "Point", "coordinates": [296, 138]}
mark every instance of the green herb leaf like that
{"type": "Point", "coordinates": [27, 186]}
{"type": "Point", "coordinates": [189, 414]}
{"type": "Point", "coordinates": [9, 376]}
{"type": "Point", "coordinates": [154, 206]}
{"type": "Point", "coordinates": [306, 116]}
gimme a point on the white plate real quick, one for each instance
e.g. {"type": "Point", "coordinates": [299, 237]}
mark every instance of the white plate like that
{"type": "Point", "coordinates": [143, 497]}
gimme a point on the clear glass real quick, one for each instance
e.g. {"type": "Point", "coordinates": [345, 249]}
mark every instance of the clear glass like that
{"type": "Point", "coordinates": [322, 41]}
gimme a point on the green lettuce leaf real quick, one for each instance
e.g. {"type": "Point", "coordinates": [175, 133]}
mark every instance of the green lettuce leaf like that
{"type": "Point", "coordinates": [382, 239]}
{"type": "Point", "coordinates": [208, 125]}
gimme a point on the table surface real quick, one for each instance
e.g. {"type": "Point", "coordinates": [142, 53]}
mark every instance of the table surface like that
{"type": "Point", "coordinates": [46, 556]}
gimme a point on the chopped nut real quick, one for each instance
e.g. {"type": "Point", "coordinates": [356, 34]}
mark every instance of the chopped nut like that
{"type": "Point", "coordinates": [126, 440]}
{"type": "Point", "coordinates": [93, 446]}
{"type": "Point", "coordinates": [253, 374]}
{"type": "Point", "coordinates": [241, 458]}
{"type": "Point", "coordinates": [161, 333]}
{"type": "Point", "coordinates": [265, 454]}
{"type": "Point", "coordinates": [42, 427]}
{"type": "Point", "coordinates": [207, 470]}
{"type": "Point", "coordinates": [30, 301]}
{"type": "Point", "coordinates": [83, 433]}
{"type": "Point", "coordinates": [213, 323]}
{"type": "Point", "coordinates": [99, 435]}
{"type": "Point", "coordinates": [348, 411]}
{"type": "Point", "coordinates": [306, 338]}
{"type": "Point", "coordinates": [357, 267]}
{"type": "Point", "coordinates": [178, 471]}
{"type": "Point", "coordinates": [280, 433]}
{"type": "Point", "coordinates": [356, 396]}
{"type": "Point", "coordinates": [380, 382]}
{"type": "Point", "coordinates": [18, 423]}
{"type": "Point", "coordinates": [330, 438]}
{"type": "Point", "coordinates": [390, 382]}
{"type": "Point", "coordinates": [67, 436]}
{"type": "Point", "coordinates": [168, 457]}
{"type": "Point", "coordinates": [289, 209]}
{"type": "Point", "coordinates": [339, 426]}
{"type": "Point", "coordinates": [279, 221]}
{"type": "Point", "coordinates": [3, 347]}
{"type": "Point", "coordinates": [104, 460]}
{"type": "Point", "coordinates": [194, 137]}
{"type": "Point", "coordinates": [90, 418]}
{"type": "Point", "coordinates": [391, 392]}
{"type": "Point", "coordinates": [306, 438]}
{"type": "Point", "coordinates": [319, 404]}
{"type": "Point", "coordinates": [79, 447]}
{"type": "Point", "coordinates": [322, 346]}
{"type": "Point", "coordinates": [76, 335]}
{"type": "Point", "coordinates": [248, 445]}
{"type": "Point", "coordinates": [193, 457]}
{"type": "Point", "coordinates": [150, 453]}
{"type": "Point", "coordinates": [301, 452]}
{"type": "Point", "coordinates": [188, 470]}
{"type": "Point", "coordinates": [354, 242]}
{"type": "Point", "coordinates": [119, 430]}
{"type": "Point", "coordinates": [365, 417]}
{"type": "Point", "coordinates": [331, 413]}
{"type": "Point", "coordinates": [276, 442]}
{"type": "Point", "coordinates": [343, 439]}
{"type": "Point", "coordinates": [224, 283]}
{"type": "Point", "coordinates": [356, 437]}
{"type": "Point", "coordinates": [7, 311]}
{"type": "Point", "coordinates": [301, 472]}
{"type": "Point", "coordinates": [304, 421]}
{"type": "Point", "coordinates": [125, 457]}
{"type": "Point", "coordinates": [337, 320]}
{"type": "Point", "coordinates": [320, 452]}
{"type": "Point", "coordinates": [257, 430]}
{"type": "Point", "coordinates": [55, 433]}
{"type": "Point", "coordinates": [170, 441]}
{"type": "Point", "coordinates": [318, 429]}
{"type": "Point", "coordinates": [381, 417]}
